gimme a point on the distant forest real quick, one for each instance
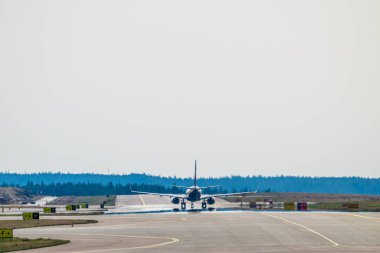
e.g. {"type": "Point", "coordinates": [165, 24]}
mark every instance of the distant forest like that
{"type": "Point", "coordinates": [60, 184]}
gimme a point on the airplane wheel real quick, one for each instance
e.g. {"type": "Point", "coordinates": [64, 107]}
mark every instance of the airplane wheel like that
{"type": "Point", "coordinates": [204, 205]}
{"type": "Point", "coordinates": [192, 205]}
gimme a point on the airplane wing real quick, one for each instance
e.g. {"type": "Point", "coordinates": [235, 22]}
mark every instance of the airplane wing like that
{"type": "Point", "coordinates": [230, 194]}
{"type": "Point", "coordinates": [160, 194]}
{"type": "Point", "coordinates": [227, 194]}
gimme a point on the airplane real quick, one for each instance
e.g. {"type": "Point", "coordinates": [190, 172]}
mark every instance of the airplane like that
{"type": "Point", "coordinates": [194, 194]}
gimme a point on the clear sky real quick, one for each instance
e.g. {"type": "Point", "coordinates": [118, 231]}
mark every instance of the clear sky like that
{"type": "Point", "coordinates": [246, 87]}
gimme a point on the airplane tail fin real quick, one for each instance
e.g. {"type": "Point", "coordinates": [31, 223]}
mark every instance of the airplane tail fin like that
{"type": "Point", "coordinates": [195, 174]}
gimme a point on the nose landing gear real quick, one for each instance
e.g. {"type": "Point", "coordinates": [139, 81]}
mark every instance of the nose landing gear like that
{"type": "Point", "coordinates": [192, 205]}
{"type": "Point", "coordinates": [204, 205]}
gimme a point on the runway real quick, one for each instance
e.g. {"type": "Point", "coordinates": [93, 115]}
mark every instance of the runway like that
{"type": "Point", "coordinates": [150, 203]}
{"type": "Point", "coordinates": [237, 231]}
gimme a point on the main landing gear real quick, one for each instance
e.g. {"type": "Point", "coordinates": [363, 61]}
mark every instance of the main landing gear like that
{"type": "Point", "coordinates": [183, 205]}
{"type": "Point", "coordinates": [204, 206]}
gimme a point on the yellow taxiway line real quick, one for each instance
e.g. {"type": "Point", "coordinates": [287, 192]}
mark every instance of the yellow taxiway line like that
{"type": "Point", "coordinates": [300, 225]}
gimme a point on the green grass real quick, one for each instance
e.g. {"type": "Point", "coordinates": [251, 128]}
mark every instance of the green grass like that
{"type": "Point", "coordinates": [109, 200]}
{"type": "Point", "coordinates": [59, 214]}
{"type": "Point", "coordinates": [325, 206]}
{"type": "Point", "coordinates": [41, 223]}
{"type": "Point", "coordinates": [363, 206]}
{"type": "Point", "coordinates": [74, 213]}
{"type": "Point", "coordinates": [13, 244]}
{"type": "Point", "coordinates": [96, 200]}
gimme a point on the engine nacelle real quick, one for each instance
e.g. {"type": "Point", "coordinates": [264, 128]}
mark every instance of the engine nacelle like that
{"type": "Point", "coordinates": [175, 200]}
{"type": "Point", "coordinates": [211, 201]}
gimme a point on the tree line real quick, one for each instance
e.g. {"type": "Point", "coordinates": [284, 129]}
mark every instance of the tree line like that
{"type": "Point", "coordinates": [92, 189]}
{"type": "Point", "coordinates": [120, 184]}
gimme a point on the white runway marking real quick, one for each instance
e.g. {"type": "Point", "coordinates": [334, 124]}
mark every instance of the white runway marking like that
{"type": "Point", "coordinates": [171, 240]}
{"type": "Point", "coordinates": [142, 200]}
{"type": "Point", "coordinates": [362, 216]}
{"type": "Point", "coordinates": [309, 229]}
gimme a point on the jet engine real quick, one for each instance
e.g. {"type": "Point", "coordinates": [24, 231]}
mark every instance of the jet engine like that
{"type": "Point", "coordinates": [175, 200]}
{"type": "Point", "coordinates": [211, 201]}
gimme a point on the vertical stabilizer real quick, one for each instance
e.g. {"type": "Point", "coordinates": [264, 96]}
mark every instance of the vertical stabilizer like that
{"type": "Point", "coordinates": [195, 174]}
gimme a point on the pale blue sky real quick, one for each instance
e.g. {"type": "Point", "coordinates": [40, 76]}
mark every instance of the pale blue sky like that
{"type": "Point", "coordinates": [245, 87]}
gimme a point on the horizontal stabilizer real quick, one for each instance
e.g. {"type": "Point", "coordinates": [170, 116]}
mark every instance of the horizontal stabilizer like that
{"type": "Point", "coordinates": [211, 186]}
{"type": "Point", "coordinates": [180, 186]}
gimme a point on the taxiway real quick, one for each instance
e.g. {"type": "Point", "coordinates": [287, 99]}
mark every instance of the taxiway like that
{"type": "Point", "coordinates": [235, 231]}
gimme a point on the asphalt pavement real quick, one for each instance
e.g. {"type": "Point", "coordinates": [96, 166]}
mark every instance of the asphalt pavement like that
{"type": "Point", "coordinates": [217, 231]}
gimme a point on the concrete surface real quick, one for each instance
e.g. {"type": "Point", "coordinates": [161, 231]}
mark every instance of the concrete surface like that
{"type": "Point", "coordinates": [45, 200]}
{"type": "Point", "coordinates": [136, 203]}
{"type": "Point", "coordinates": [236, 231]}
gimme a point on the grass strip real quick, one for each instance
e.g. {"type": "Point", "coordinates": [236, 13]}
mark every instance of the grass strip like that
{"type": "Point", "coordinates": [41, 223]}
{"type": "Point", "coordinates": [14, 244]}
